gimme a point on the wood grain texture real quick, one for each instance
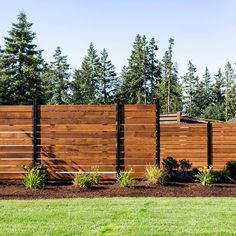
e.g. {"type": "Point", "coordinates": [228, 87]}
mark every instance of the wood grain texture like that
{"type": "Point", "coordinates": [76, 138]}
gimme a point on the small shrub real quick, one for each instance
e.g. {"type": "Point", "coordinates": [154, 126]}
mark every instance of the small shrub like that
{"type": "Point", "coordinates": [95, 178]}
{"type": "Point", "coordinates": [230, 166]}
{"type": "Point", "coordinates": [155, 175]}
{"type": "Point", "coordinates": [221, 176]}
{"type": "Point", "coordinates": [124, 178]}
{"type": "Point", "coordinates": [82, 180]}
{"type": "Point", "coordinates": [36, 176]}
{"type": "Point", "coordinates": [195, 171]}
{"type": "Point", "coordinates": [185, 164]}
{"type": "Point", "coordinates": [169, 164]}
{"type": "Point", "coordinates": [205, 176]}
{"type": "Point", "coordinates": [85, 180]}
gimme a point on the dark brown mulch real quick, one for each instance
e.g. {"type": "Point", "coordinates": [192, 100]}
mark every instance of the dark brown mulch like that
{"type": "Point", "coordinates": [15, 190]}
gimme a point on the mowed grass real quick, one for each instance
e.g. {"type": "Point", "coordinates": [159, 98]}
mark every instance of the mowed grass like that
{"type": "Point", "coordinates": [119, 216]}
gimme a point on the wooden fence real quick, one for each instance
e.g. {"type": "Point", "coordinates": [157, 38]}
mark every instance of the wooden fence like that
{"type": "Point", "coordinates": [108, 138]}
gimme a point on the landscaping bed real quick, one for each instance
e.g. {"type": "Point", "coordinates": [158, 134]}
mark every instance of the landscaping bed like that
{"type": "Point", "coordinates": [16, 190]}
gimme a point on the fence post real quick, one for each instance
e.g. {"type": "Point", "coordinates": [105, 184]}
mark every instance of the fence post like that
{"type": "Point", "coordinates": [209, 144]}
{"type": "Point", "coordinates": [34, 129]}
{"type": "Point", "coordinates": [118, 117]}
{"type": "Point", "coordinates": [158, 150]}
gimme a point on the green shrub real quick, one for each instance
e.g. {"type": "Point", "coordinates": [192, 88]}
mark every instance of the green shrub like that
{"type": "Point", "coordinates": [124, 178]}
{"type": "Point", "coordinates": [230, 166]}
{"type": "Point", "coordinates": [185, 164]}
{"type": "Point", "coordinates": [221, 176]}
{"type": "Point", "coordinates": [155, 175]}
{"type": "Point", "coordinates": [82, 180]}
{"type": "Point", "coordinates": [85, 180]}
{"type": "Point", "coordinates": [169, 164]}
{"type": "Point", "coordinates": [95, 178]}
{"type": "Point", "coordinates": [36, 176]}
{"type": "Point", "coordinates": [205, 176]}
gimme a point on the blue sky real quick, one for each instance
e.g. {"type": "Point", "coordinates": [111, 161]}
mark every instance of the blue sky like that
{"type": "Point", "coordinates": [204, 30]}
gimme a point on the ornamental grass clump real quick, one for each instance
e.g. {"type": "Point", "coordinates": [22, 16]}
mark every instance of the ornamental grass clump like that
{"type": "Point", "coordinates": [205, 176]}
{"type": "Point", "coordinates": [85, 180]}
{"type": "Point", "coordinates": [155, 175]}
{"type": "Point", "coordinates": [36, 176]}
{"type": "Point", "coordinates": [124, 179]}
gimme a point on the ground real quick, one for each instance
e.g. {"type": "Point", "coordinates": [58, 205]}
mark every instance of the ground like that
{"type": "Point", "coordinates": [15, 190]}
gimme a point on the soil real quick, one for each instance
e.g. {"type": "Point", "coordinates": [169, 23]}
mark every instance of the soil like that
{"type": "Point", "coordinates": [15, 190]}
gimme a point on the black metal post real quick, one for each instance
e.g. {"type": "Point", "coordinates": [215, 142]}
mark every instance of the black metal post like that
{"type": "Point", "coordinates": [34, 129]}
{"type": "Point", "coordinates": [118, 118]}
{"type": "Point", "coordinates": [209, 144]}
{"type": "Point", "coordinates": [158, 150]}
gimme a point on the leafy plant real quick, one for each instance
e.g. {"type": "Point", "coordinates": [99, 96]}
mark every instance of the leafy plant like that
{"type": "Point", "coordinates": [155, 175]}
{"type": "Point", "coordinates": [94, 177]}
{"type": "Point", "coordinates": [85, 180]}
{"type": "Point", "coordinates": [36, 176]}
{"type": "Point", "coordinates": [124, 178]}
{"type": "Point", "coordinates": [205, 176]}
{"type": "Point", "coordinates": [82, 180]}
{"type": "Point", "coordinates": [230, 166]}
{"type": "Point", "coordinates": [169, 163]}
{"type": "Point", "coordinates": [185, 164]}
{"type": "Point", "coordinates": [221, 176]}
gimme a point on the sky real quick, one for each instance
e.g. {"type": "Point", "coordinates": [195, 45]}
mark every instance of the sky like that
{"type": "Point", "coordinates": [204, 30]}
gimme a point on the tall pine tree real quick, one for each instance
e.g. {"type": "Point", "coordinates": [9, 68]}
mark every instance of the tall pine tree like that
{"type": "Point", "coordinates": [59, 77]}
{"type": "Point", "coordinates": [85, 85]}
{"type": "Point", "coordinates": [203, 94]}
{"type": "Point", "coordinates": [134, 81]}
{"type": "Point", "coordinates": [190, 82]}
{"type": "Point", "coordinates": [21, 66]}
{"type": "Point", "coordinates": [169, 91]}
{"type": "Point", "coordinates": [107, 80]}
{"type": "Point", "coordinates": [139, 78]}
{"type": "Point", "coordinates": [230, 92]}
{"type": "Point", "coordinates": [216, 110]}
{"type": "Point", "coordinates": [152, 71]}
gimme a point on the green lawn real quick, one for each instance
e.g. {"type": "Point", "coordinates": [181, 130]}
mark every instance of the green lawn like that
{"type": "Point", "coordinates": [119, 216]}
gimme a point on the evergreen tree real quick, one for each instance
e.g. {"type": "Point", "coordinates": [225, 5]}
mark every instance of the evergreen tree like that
{"type": "Point", "coordinates": [203, 94]}
{"type": "Point", "coordinates": [123, 91]}
{"type": "Point", "coordinates": [85, 85]}
{"type": "Point", "coordinates": [190, 83]}
{"type": "Point", "coordinates": [140, 77]}
{"type": "Point", "coordinates": [207, 88]}
{"type": "Point", "coordinates": [59, 77]}
{"type": "Point", "coordinates": [108, 81]}
{"type": "Point", "coordinates": [134, 81]}
{"type": "Point", "coordinates": [152, 71]}
{"type": "Point", "coordinates": [217, 109]}
{"type": "Point", "coordinates": [230, 92]}
{"type": "Point", "coordinates": [218, 88]}
{"type": "Point", "coordinates": [21, 66]}
{"type": "Point", "coordinates": [169, 91]}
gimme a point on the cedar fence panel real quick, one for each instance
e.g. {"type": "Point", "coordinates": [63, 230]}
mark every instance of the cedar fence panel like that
{"type": "Point", "coordinates": [15, 140]}
{"type": "Point", "coordinates": [223, 144]}
{"type": "Point", "coordinates": [72, 138]}
{"type": "Point", "coordinates": [138, 142]}
{"type": "Point", "coordinates": [78, 138]}
{"type": "Point", "coordinates": [185, 141]}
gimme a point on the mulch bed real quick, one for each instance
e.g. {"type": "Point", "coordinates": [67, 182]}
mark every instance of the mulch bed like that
{"type": "Point", "coordinates": [15, 190]}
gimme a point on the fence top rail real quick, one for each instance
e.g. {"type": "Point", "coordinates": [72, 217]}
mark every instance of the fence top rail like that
{"type": "Point", "coordinates": [184, 125]}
